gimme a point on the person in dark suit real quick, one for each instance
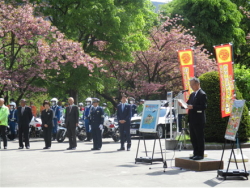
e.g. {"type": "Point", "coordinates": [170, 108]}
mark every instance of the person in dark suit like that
{"type": "Point", "coordinates": [197, 103]}
{"type": "Point", "coordinates": [124, 114]}
{"type": "Point", "coordinates": [71, 121]}
{"type": "Point", "coordinates": [47, 124]}
{"type": "Point", "coordinates": [24, 117]}
{"type": "Point", "coordinates": [96, 118]}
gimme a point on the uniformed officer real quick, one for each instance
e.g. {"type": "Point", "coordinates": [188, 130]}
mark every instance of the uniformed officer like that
{"type": "Point", "coordinates": [88, 106]}
{"type": "Point", "coordinates": [96, 121]}
{"type": "Point", "coordinates": [133, 106]}
{"type": "Point", "coordinates": [56, 114]}
{"type": "Point", "coordinates": [106, 110]}
{"type": "Point", "coordinates": [140, 106]}
{"type": "Point", "coordinates": [13, 120]}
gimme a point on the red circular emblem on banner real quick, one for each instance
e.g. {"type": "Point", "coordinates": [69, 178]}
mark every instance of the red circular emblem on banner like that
{"type": "Point", "coordinates": [223, 54]}
{"type": "Point", "coordinates": [185, 58]}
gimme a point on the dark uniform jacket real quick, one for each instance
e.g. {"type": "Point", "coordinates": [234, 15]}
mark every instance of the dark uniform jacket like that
{"type": "Point", "coordinates": [72, 116]}
{"type": "Point", "coordinates": [96, 116]}
{"type": "Point", "coordinates": [47, 118]}
{"type": "Point", "coordinates": [25, 118]}
{"type": "Point", "coordinates": [197, 114]}
{"type": "Point", "coordinates": [134, 109]}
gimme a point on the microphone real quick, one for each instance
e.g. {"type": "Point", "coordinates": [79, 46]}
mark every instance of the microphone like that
{"type": "Point", "coordinates": [183, 91]}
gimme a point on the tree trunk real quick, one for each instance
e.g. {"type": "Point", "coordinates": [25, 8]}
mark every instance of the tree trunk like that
{"type": "Point", "coordinates": [74, 94]}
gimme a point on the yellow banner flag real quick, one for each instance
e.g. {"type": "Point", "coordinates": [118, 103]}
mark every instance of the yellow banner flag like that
{"type": "Point", "coordinates": [223, 53]}
{"type": "Point", "coordinates": [186, 57]}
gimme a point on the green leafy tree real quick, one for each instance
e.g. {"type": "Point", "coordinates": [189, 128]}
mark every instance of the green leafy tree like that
{"type": "Point", "coordinates": [212, 21]}
{"type": "Point", "coordinates": [119, 25]}
{"type": "Point", "coordinates": [242, 78]}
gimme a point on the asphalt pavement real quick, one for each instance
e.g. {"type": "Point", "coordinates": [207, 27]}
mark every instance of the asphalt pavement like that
{"type": "Point", "coordinates": [58, 167]}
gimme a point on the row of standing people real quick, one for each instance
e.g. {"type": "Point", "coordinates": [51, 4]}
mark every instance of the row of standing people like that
{"type": "Point", "coordinates": [22, 117]}
{"type": "Point", "coordinates": [54, 111]}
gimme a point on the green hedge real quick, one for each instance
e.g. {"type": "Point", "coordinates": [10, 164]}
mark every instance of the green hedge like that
{"type": "Point", "coordinates": [216, 126]}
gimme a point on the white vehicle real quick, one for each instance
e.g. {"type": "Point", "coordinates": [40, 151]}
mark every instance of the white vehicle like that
{"type": "Point", "coordinates": [110, 129]}
{"type": "Point", "coordinates": [36, 127]}
{"type": "Point", "coordinates": [164, 118]}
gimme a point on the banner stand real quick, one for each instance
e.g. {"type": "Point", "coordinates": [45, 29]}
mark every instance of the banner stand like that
{"type": "Point", "coordinates": [236, 172]}
{"type": "Point", "coordinates": [148, 159]}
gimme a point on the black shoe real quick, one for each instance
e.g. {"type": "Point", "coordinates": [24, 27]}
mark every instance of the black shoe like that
{"type": "Point", "coordinates": [192, 157]}
{"type": "Point", "coordinates": [45, 148]}
{"type": "Point", "coordinates": [73, 148]}
{"type": "Point", "coordinates": [98, 148]}
{"type": "Point", "coordinates": [69, 149]}
{"type": "Point", "coordinates": [20, 147]}
{"type": "Point", "coordinates": [198, 158]}
{"type": "Point", "coordinates": [94, 149]}
{"type": "Point", "coordinates": [48, 148]}
{"type": "Point", "coordinates": [27, 147]}
{"type": "Point", "coordinates": [121, 149]}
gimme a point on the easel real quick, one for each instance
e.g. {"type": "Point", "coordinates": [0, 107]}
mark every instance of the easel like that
{"type": "Point", "coordinates": [237, 172]}
{"type": "Point", "coordinates": [148, 159]}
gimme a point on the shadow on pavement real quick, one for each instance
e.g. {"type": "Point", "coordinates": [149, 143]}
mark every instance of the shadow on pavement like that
{"type": "Point", "coordinates": [77, 151]}
{"type": "Point", "coordinates": [106, 152]}
{"type": "Point", "coordinates": [30, 149]}
{"type": "Point", "coordinates": [50, 150]}
{"type": "Point", "coordinates": [213, 182]}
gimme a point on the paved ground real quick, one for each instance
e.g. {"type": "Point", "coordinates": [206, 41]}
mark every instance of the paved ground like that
{"type": "Point", "coordinates": [106, 168]}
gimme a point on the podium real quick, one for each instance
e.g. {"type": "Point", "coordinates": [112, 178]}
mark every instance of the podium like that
{"type": "Point", "coordinates": [199, 165]}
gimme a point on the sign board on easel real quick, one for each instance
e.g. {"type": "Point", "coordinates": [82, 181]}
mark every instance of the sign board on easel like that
{"type": "Point", "coordinates": [150, 116]}
{"type": "Point", "coordinates": [234, 120]}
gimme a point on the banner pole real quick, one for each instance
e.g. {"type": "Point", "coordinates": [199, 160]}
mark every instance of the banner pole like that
{"type": "Point", "coordinates": [194, 65]}
{"type": "Point", "coordinates": [234, 80]}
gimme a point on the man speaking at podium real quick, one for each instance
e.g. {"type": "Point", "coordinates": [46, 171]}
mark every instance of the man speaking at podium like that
{"type": "Point", "coordinates": [197, 103]}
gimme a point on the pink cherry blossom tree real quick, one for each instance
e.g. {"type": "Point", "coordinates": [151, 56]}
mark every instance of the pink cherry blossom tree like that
{"type": "Point", "coordinates": [30, 45]}
{"type": "Point", "coordinates": [157, 70]}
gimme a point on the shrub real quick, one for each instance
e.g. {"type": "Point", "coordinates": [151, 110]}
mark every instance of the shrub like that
{"type": "Point", "coordinates": [216, 125]}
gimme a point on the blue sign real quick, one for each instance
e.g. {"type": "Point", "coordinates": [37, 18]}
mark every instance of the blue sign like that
{"type": "Point", "coordinates": [150, 116]}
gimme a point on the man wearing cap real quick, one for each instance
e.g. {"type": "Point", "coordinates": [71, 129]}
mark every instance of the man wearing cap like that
{"type": "Point", "coordinates": [140, 107]}
{"type": "Point", "coordinates": [24, 117]}
{"type": "Point", "coordinates": [96, 117]}
{"type": "Point", "coordinates": [124, 118]}
{"type": "Point", "coordinates": [71, 121]}
{"type": "Point", "coordinates": [133, 106]}
{"type": "Point", "coordinates": [4, 112]}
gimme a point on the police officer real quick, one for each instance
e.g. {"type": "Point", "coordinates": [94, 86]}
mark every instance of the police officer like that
{"type": "Point", "coordinates": [106, 110]}
{"type": "Point", "coordinates": [88, 102]}
{"type": "Point", "coordinates": [56, 114]}
{"type": "Point", "coordinates": [96, 121]}
{"type": "Point", "coordinates": [13, 120]}
{"type": "Point", "coordinates": [133, 106]}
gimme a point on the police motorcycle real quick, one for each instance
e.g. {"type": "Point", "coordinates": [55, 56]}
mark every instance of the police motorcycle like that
{"type": "Point", "coordinates": [62, 131]}
{"type": "Point", "coordinates": [35, 129]}
{"type": "Point", "coordinates": [111, 129]}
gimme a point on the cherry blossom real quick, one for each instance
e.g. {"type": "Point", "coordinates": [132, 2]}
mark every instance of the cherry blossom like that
{"type": "Point", "coordinates": [30, 45]}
